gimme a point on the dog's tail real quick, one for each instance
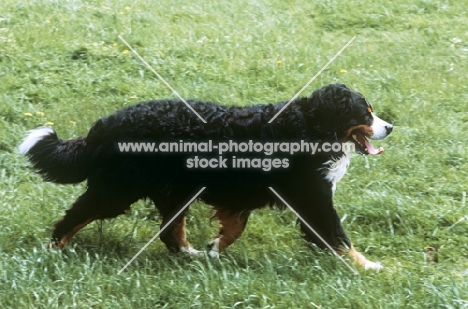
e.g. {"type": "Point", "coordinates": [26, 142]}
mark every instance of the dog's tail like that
{"type": "Point", "coordinates": [56, 160]}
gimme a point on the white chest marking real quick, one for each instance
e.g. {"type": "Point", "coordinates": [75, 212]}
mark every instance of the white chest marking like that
{"type": "Point", "coordinates": [336, 169]}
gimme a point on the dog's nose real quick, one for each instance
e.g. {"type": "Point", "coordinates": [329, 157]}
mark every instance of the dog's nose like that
{"type": "Point", "coordinates": [389, 129]}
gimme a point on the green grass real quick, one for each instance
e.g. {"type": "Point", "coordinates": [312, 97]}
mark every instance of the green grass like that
{"type": "Point", "coordinates": [62, 62]}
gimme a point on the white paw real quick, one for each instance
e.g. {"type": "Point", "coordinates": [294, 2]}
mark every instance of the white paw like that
{"type": "Point", "coordinates": [213, 254]}
{"type": "Point", "coordinates": [190, 250]}
{"type": "Point", "coordinates": [373, 265]}
{"type": "Point", "coordinates": [213, 251]}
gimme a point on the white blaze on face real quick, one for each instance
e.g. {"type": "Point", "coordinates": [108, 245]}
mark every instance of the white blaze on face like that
{"type": "Point", "coordinates": [380, 128]}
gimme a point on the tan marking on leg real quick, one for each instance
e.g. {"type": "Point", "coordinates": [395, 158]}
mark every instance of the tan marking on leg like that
{"type": "Point", "coordinates": [64, 240]}
{"type": "Point", "coordinates": [179, 235]}
{"type": "Point", "coordinates": [175, 238]}
{"type": "Point", "coordinates": [360, 260]}
{"type": "Point", "coordinates": [231, 226]}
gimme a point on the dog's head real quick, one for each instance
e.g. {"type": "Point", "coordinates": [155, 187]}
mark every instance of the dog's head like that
{"type": "Point", "coordinates": [347, 116]}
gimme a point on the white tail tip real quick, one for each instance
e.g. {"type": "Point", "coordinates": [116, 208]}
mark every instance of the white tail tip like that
{"type": "Point", "coordinates": [33, 137]}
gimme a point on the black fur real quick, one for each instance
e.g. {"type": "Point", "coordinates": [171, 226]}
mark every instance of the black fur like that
{"type": "Point", "coordinates": [116, 180]}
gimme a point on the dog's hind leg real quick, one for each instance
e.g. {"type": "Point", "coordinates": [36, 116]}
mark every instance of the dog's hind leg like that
{"type": "Point", "coordinates": [231, 226]}
{"type": "Point", "coordinates": [78, 216]}
{"type": "Point", "coordinates": [174, 235]}
{"type": "Point", "coordinates": [88, 207]}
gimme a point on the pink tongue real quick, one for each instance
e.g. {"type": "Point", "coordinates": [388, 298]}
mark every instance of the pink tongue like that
{"type": "Point", "coordinates": [371, 150]}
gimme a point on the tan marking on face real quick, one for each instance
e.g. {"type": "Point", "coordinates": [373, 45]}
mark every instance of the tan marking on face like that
{"type": "Point", "coordinates": [365, 129]}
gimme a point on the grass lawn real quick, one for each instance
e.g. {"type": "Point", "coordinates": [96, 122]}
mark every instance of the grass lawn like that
{"type": "Point", "coordinates": [62, 63]}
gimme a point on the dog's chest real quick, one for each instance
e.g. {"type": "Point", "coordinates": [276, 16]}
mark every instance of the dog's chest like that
{"type": "Point", "coordinates": [335, 169]}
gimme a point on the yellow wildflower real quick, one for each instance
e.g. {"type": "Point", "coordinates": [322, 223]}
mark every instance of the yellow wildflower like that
{"type": "Point", "coordinates": [343, 71]}
{"type": "Point", "coordinates": [278, 62]}
{"type": "Point", "coordinates": [127, 8]}
{"type": "Point", "coordinates": [49, 123]}
{"type": "Point", "coordinates": [72, 122]}
{"type": "Point", "coordinates": [40, 114]}
{"type": "Point", "coordinates": [125, 52]}
{"type": "Point", "coordinates": [28, 114]}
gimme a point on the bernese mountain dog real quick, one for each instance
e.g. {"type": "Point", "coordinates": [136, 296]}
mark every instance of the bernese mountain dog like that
{"type": "Point", "coordinates": [307, 181]}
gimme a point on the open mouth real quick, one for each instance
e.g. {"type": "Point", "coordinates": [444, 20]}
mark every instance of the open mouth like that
{"type": "Point", "coordinates": [363, 146]}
